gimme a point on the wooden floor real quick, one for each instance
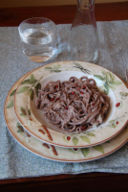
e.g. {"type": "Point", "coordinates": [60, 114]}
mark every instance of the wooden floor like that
{"type": "Point", "coordinates": [62, 14]}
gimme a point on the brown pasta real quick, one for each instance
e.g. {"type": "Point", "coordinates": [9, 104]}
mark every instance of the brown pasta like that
{"type": "Point", "coordinates": [74, 105]}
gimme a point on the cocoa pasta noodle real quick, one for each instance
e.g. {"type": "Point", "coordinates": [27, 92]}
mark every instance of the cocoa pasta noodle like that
{"type": "Point", "coordinates": [74, 105]}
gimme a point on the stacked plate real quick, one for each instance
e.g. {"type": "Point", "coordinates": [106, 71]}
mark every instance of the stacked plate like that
{"type": "Point", "coordinates": [26, 126]}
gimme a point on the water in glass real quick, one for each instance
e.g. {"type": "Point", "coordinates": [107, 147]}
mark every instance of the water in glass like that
{"type": "Point", "coordinates": [38, 40]}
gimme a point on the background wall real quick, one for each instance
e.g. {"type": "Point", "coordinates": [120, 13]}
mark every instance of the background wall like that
{"type": "Point", "coordinates": [28, 3]}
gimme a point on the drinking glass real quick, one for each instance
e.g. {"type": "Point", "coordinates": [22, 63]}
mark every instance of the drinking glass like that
{"type": "Point", "coordinates": [38, 37]}
{"type": "Point", "coordinates": [84, 39]}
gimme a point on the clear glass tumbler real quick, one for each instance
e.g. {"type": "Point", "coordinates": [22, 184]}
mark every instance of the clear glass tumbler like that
{"type": "Point", "coordinates": [38, 37]}
{"type": "Point", "coordinates": [83, 38]}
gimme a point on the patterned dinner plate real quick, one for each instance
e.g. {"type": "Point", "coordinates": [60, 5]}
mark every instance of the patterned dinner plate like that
{"type": "Point", "coordinates": [30, 117]}
{"type": "Point", "coordinates": [53, 152]}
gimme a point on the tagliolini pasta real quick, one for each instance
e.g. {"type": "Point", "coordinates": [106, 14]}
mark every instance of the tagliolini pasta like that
{"type": "Point", "coordinates": [74, 105]}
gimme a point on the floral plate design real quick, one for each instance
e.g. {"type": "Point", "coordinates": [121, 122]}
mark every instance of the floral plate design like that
{"type": "Point", "coordinates": [57, 153]}
{"type": "Point", "coordinates": [29, 117]}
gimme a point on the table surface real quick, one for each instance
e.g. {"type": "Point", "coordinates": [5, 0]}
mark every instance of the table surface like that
{"type": "Point", "coordinates": [101, 181]}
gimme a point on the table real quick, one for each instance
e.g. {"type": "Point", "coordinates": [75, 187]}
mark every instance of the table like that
{"type": "Point", "coordinates": [62, 14]}
{"type": "Point", "coordinates": [91, 181]}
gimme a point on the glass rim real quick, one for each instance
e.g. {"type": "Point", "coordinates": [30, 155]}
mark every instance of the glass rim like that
{"type": "Point", "coordinates": [37, 18]}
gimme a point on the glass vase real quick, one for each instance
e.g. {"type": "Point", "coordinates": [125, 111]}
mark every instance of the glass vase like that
{"type": "Point", "coordinates": [84, 38]}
